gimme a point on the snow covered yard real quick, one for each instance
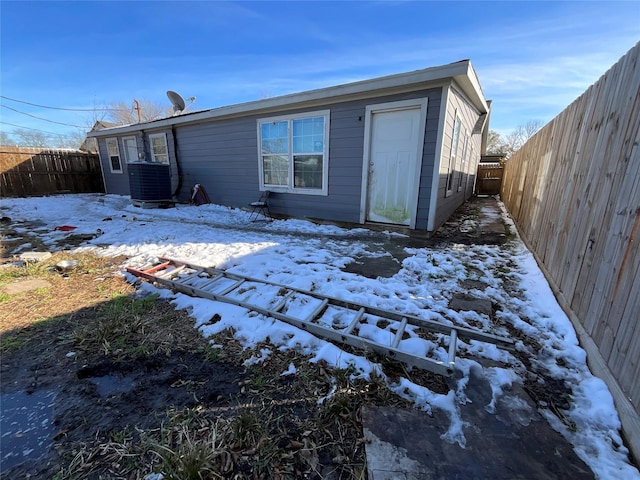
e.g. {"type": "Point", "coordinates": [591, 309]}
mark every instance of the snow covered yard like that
{"type": "Point", "coordinates": [312, 257]}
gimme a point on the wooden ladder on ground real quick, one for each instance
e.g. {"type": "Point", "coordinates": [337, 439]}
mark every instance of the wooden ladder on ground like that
{"type": "Point", "coordinates": [324, 316]}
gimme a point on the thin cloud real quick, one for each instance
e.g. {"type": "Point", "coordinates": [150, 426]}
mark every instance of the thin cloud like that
{"type": "Point", "coordinates": [532, 58]}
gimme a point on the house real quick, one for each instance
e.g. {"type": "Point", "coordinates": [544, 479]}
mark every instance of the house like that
{"type": "Point", "coordinates": [90, 145]}
{"type": "Point", "coordinates": [399, 150]}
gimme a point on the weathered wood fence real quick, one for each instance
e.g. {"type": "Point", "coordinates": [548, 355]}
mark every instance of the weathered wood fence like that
{"type": "Point", "coordinates": [489, 178]}
{"type": "Point", "coordinates": [574, 193]}
{"type": "Point", "coordinates": [28, 171]}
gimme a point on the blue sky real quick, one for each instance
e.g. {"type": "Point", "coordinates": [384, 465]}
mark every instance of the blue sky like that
{"type": "Point", "coordinates": [532, 58]}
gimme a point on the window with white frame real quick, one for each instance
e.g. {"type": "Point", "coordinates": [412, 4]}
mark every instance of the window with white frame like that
{"type": "Point", "coordinates": [293, 153]}
{"type": "Point", "coordinates": [130, 149]}
{"type": "Point", "coordinates": [114, 155]}
{"type": "Point", "coordinates": [463, 159]}
{"type": "Point", "coordinates": [455, 140]}
{"type": "Point", "coordinates": [159, 150]}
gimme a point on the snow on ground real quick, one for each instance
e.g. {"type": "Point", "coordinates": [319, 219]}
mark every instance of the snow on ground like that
{"type": "Point", "coordinates": [310, 257]}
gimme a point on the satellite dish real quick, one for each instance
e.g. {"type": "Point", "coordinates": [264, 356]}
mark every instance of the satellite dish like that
{"type": "Point", "coordinates": [176, 100]}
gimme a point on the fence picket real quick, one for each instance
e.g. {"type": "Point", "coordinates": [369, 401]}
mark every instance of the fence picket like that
{"type": "Point", "coordinates": [574, 192]}
{"type": "Point", "coordinates": [28, 171]}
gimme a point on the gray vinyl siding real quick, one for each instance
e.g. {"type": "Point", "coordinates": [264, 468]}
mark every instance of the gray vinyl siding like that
{"type": "Point", "coordinates": [223, 157]}
{"type": "Point", "coordinates": [116, 183]}
{"type": "Point", "coordinates": [448, 202]}
{"type": "Point", "coordinates": [218, 148]}
{"type": "Point", "coordinates": [428, 160]}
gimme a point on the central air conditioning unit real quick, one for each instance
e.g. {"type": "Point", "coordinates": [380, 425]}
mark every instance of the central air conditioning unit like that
{"type": "Point", "coordinates": [150, 185]}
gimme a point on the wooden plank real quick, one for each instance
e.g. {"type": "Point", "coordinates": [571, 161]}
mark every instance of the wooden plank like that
{"type": "Point", "coordinates": [574, 193]}
{"type": "Point", "coordinates": [580, 257]}
{"type": "Point", "coordinates": [620, 255]}
{"type": "Point", "coordinates": [489, 179]}
{"type": "Point", "coordinates": [562, 197]}
{"type": "Point", "coordinates": [622, 359]}
{"type": "Point", "coordinates": [35, 171]}
{"type": "Point", "coordinates": [614, 192]}
{"type": "Point", "coordinates": [627, 411]}
{"type": "Point", "coordinates": [631, 366]}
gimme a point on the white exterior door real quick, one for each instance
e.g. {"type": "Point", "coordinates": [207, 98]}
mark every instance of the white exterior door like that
{"type": "Point", "coordinates": [394, 145]}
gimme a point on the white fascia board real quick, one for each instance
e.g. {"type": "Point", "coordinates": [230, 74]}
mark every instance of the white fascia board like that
{"type": "Point", "coordinates": [462, 71]}
{"type": "Point", "coordinates": [471, 87]}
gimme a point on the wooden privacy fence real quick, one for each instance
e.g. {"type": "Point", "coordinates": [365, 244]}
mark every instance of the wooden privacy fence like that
{"type": "Point", "coordinates": [28, 171]}
{"type": "Point", "coordinates": [574, 192]}
{"type": "Point", "coordinates": [489, 178]}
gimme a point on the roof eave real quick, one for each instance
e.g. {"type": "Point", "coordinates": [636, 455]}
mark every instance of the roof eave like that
{"type": "Point", "coordinates": [462, 72]}
{"type": "Point", "coordinates": [471, 86]}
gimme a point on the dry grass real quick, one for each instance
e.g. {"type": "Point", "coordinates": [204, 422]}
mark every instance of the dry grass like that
{"type": "Point", "coordinates": [94, 281]}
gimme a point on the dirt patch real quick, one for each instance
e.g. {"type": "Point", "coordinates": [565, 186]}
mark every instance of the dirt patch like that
{"type": "Point", "coordinates": [97, 403]}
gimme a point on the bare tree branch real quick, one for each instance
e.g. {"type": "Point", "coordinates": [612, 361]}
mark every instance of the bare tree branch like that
{"type": "Point", "coordinates": [508, 144]}
{"type": "Point", "coordinates": [32, 138]}
{"type": "Point", "coordinates": [139, 111]}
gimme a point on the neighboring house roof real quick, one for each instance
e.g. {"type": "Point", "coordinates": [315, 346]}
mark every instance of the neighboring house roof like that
{"type": "Point", "coordinates": [89, 144]}
{"type": "Point", "coordinates": [462, 72]}
{"type": "Point", "coordinates": [101, 124]}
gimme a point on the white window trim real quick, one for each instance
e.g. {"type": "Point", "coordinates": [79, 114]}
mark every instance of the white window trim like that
{"type": "Point", "coordinates": [453, 157]}
{"type": "Point", "coordinates": [389, 107]}
{"type": "Point", "coordinates": [166, 147]}
{"type": "Point", "coordinates": [114, 139]}
{"type": "Point", "coordinates": [325, 154]}
{"type": "Point", "coordinates": [470, 163]}
{"type": "Point", "coordinates": [124, 145]}
{"type": "Point", "coordinates": [463, 158]}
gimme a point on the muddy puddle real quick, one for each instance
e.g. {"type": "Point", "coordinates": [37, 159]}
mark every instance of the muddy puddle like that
{"type": "Point", "coordinates": [112, 384]}
{"type": "Point", "coordinates": [107, 380]}
{"type": "Point", "coordinates": [115, 396]}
